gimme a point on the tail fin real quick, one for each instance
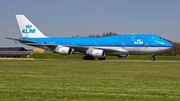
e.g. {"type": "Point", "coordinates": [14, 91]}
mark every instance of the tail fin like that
{"type": "Point", "coordinates": [27, 29]}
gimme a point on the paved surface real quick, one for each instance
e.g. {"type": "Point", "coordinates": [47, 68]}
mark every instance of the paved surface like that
{"type": "Point", "coordinates": [143, 61]}
{"type": "Point", "coordinates": [91, 60]}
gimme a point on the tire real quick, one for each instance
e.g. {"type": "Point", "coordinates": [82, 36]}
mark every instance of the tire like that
{"type": "Point", "coordinates": [102, 58]}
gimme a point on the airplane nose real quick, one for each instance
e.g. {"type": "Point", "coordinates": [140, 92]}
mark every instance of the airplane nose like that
{"type": "Point", "coordinates": [169, 45]}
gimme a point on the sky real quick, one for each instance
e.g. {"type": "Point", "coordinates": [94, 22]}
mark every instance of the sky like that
{"type": "Point", "coordinates": [66, 18]}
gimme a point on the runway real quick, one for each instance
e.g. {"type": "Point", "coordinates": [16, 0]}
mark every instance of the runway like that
{"type": "Point", "coordinates": [143, 61]}
{"type": "Point", "coordinates": [170, 61]}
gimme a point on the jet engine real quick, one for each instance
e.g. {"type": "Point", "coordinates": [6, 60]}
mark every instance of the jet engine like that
{"type": "Point", "coordinates": [123, 56]}
{"type": "Point", "coordinates": [63, 50]}
{"type": "Point", "coordinates": [97, 53]}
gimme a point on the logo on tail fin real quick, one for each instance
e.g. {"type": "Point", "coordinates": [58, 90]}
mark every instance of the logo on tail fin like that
{"type": "Point", "coordinates": [28, 29]}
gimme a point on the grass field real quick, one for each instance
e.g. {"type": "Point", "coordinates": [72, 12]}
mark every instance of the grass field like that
{"type": "Point", "coordinates": [80, 57]}
{"type": "Point", "coordinates": [77, 80]}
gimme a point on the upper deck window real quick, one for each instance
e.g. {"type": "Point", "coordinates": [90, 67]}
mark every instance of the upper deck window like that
{"type": "Point", "coordinates": [124, 38]}
{"type": "Point", "coordinates": [158, 37]}
{"type": "Point", "coordinates": [140, 38]}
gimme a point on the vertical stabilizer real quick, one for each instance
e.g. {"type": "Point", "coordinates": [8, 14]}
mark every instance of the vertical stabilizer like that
{"type": "Point", "coordinates": [27, 28]}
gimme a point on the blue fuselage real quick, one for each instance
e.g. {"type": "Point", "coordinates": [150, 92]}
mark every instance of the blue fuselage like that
{"type": "Point", "coordinates": [122, 40]}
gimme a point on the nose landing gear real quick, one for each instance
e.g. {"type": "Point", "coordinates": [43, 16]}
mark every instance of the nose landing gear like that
{"type": "Point", "coordinates": [153, 58]}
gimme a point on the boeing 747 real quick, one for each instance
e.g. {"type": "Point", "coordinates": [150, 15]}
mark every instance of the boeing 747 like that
{"type": "Point", "coordinates": [117, 45]}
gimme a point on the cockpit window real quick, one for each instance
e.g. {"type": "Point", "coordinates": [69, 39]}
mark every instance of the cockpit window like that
{"type": "Point", "coordinates": [158, 37]}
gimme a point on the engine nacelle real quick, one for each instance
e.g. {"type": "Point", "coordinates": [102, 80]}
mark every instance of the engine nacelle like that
{"type": "Point", "coordinates": [123, 56]}
{"type": "Point", "coordinates": [98, 53]}
{"type": "Point", "coordinates": [64, 50]}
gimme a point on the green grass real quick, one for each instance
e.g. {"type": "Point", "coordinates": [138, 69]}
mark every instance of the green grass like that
{"type": "Point", "coordinates": [76, 80]}
{"type": "Point", "coordinates": [80, 57]}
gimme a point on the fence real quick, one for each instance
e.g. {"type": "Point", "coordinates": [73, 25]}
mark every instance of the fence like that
{"type": "Point", "coordinates": [16, 54]}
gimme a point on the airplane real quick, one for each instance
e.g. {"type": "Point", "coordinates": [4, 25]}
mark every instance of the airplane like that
{"type": "Point", "coordinates": [121, 45]}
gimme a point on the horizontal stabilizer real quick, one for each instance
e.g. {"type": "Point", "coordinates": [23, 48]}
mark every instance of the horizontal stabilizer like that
{"type": "Point", "coordinates": [13, 39]}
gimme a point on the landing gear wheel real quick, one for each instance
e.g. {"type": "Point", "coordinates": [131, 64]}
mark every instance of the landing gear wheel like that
{"type": "Point", "coordinates": [102, 58]}
{"type": "Point", "coordinates": [153, 57]}
{"type": "Point", "coordinates": [85, 58]}
{"type": "Point", "coordinates": [88, 58]}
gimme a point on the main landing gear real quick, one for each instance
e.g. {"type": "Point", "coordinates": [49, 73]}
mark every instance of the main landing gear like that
{"type": "Point", "coordinates": [88, 57]}
{"type": "Point", "coordinates": [153, 58]}
{"type": "Point", "coordinates": [102, 58]}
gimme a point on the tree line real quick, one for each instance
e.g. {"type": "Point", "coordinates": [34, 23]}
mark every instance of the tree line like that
{"type": "Point", "coordinates": [175, 51]}
{"type": "Point", "coordinates": [97, 35]}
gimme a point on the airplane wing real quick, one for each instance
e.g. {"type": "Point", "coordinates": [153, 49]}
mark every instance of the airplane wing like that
{"type": "Point", "coordinates": [52, 47]}
{"type": "Point", "coordinates": [77, 49]}
{"type": "Point", "coordinates": [105, 49]}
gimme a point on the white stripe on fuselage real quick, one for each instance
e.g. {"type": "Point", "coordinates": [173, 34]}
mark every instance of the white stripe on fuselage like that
{"type": "Point", "coordinates": [133, 50]}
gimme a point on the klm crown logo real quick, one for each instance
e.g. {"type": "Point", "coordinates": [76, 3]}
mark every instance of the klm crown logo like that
{"type": "Point", "coordinates": [139, 41]}
{"type": "Point", "coordinates": [28, 26]}
{"type": "Point", "coordinates": [28, 29]}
